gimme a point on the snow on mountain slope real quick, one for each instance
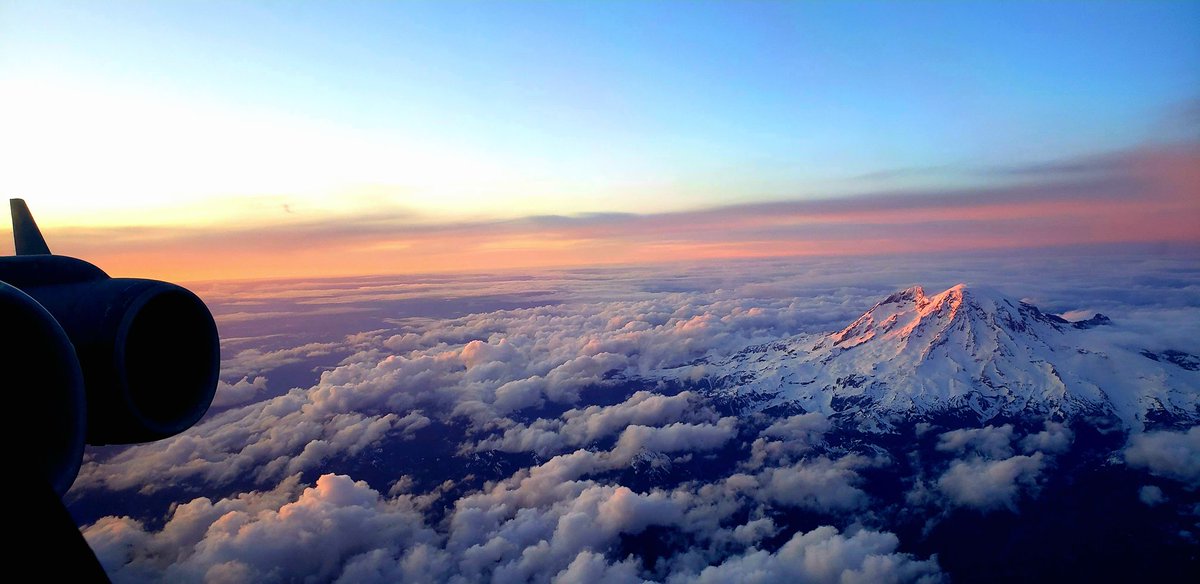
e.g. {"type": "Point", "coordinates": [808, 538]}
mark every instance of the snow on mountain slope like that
{"type": "Point", "coordinates": [963, 350]}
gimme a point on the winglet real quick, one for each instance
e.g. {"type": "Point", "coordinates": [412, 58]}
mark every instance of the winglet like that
{"type": "Point", "coordinates": [27, 238]}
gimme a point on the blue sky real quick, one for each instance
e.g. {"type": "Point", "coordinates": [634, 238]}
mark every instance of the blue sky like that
{"type": "Point", "coordinates": [204, 113]}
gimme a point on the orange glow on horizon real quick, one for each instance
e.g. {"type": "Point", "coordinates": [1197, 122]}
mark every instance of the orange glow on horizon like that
{"type": "Point", "coordinates": [1152, 196]}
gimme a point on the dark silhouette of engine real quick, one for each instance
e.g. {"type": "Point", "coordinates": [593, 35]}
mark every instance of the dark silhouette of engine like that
{"type": "Point", "coordinates": [106, 360]}
{"type": "Point", "coordinates": [94, 359]}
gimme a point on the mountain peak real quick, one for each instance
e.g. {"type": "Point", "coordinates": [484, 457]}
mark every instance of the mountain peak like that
{"type": "Point", "coordinates": [972, 350]}
{"type": "Point", "coordinates": [904, 312]}
{"type": "Point", "coordinates": [911, 294]}
{"type": "Point", "coordinates": [958, 291]}
{"type": "Point", "coordinates": [951, 299]}
{"type": "Point", "coordinates": [916, 295]}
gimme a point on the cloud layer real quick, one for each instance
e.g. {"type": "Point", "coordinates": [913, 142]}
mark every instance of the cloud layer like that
{"type": "Point", "coordinates": [522, 443]}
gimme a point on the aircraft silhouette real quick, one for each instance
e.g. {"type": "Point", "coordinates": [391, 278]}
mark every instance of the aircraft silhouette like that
{"type": "Point", "coordinates": [97, 360]}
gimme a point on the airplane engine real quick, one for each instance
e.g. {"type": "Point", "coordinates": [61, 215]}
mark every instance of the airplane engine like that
{"type": "Point", "coordinates": [148, 350]}
{"type": "Point", "coordinates": [43, 375]}
{"type": "Point", "coordinates": [91, 359]}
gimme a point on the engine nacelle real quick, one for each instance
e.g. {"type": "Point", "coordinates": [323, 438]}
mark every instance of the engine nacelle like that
{"type": "Point", "coordinates": [91, 358]}
{"type": "Point", "coordinates": [42, 372]}
{"type": "Point", "coordinates": [149, 352]}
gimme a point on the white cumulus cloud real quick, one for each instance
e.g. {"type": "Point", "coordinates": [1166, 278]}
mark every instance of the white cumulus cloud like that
{"type": "Point", "coordinates": [989, 484]}
{"type": "Point", "coordinates": [1174, 455]}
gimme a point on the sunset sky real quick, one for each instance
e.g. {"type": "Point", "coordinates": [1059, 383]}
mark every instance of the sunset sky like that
{"type": "Point", "coordinates": [212, 140]}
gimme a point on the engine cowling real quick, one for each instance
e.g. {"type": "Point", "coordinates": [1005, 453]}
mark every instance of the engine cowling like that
{"type": "Point", "coordinates": [148, 350]}
{"type": "Point", "coordinates": [92, 359]}
{"type": "Point", "coordinates": [43, 375]}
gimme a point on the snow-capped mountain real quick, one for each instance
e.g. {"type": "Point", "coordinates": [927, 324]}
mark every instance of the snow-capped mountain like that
{"type": "Point", "coordinates": [967, 351]}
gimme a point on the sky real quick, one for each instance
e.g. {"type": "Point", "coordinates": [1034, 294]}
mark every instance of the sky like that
{"type": "Point", "coordinates": [433, 237]}
{"type": "Point", "coordinates": [210, 140]}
